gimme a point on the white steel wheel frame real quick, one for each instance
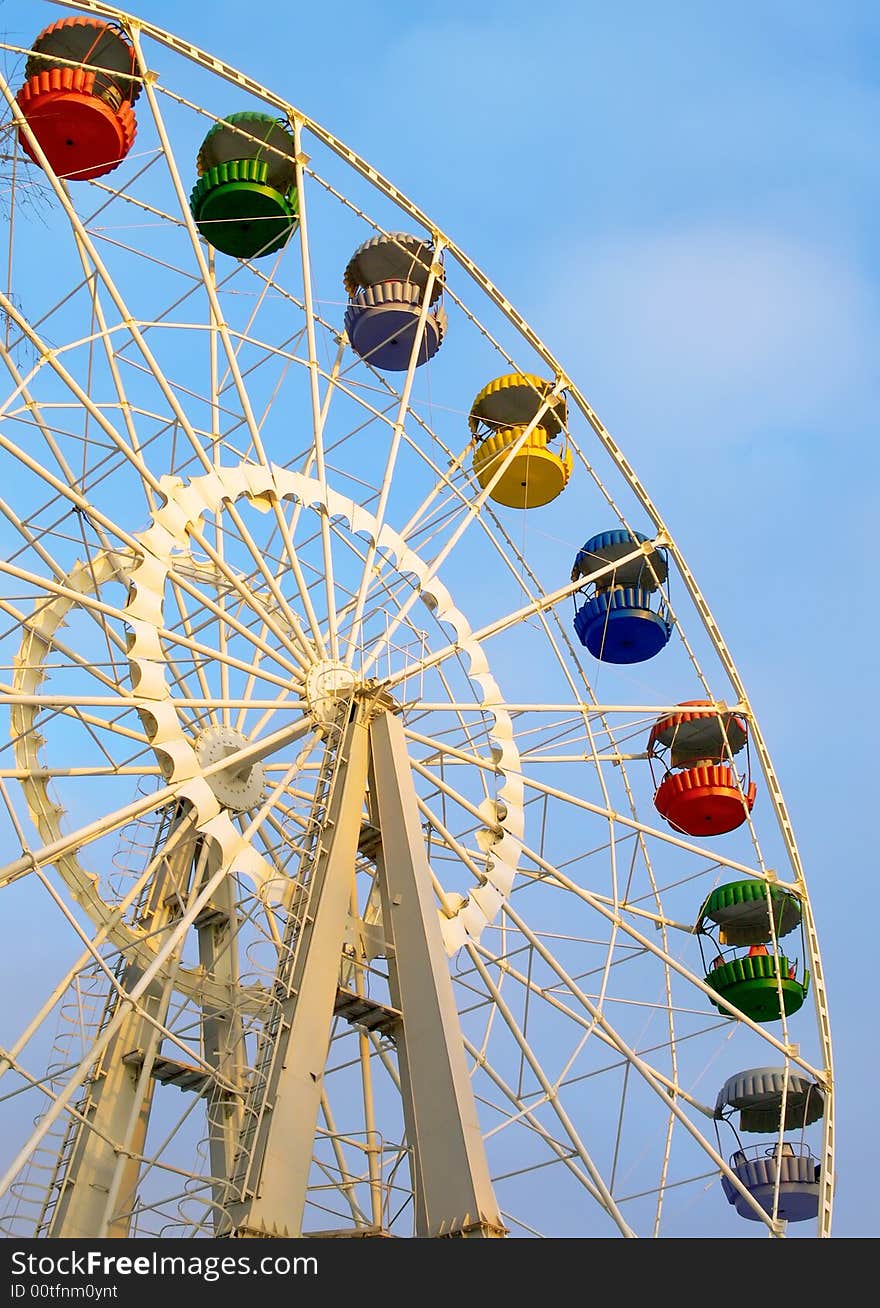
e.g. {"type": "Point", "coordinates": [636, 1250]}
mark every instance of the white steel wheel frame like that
{"type": "Point", "coordinates": [302, 753]}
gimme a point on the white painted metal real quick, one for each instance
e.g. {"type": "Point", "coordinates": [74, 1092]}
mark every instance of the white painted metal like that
{"type": "Point", "coordinates": [96, 1186]}
{"type": "Point", "coordinates": [453, 1193]}
{"type": "Point", "coordinates": [496, 988]}
{"type": "Point", "coordinates": [280, 1116]}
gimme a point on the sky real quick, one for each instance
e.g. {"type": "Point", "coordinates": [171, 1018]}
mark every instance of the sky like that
{"type": "Point", "coordinates": [681, 200]}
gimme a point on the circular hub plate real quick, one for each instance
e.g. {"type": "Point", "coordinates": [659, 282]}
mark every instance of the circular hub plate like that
{"type": "Point", "coordinates": [236, 788]}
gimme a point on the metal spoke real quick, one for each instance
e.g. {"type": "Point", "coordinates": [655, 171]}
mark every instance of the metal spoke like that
{"type": "Point", "coordinates": [361, 911]}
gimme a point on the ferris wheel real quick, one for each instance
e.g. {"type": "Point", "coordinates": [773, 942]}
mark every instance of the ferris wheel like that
{"type": "Point", "coordinates": [392, 849]}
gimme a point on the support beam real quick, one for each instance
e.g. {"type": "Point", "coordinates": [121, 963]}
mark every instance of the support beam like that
{"type": "Point", "coordinates": [281, 1120]}
{"type": "Point", "coordinates": [100, 1180]}
{"type": "Point", "coordinates": [450, 1173]}
{"type": "Point", "coordinates": [222, 1041]}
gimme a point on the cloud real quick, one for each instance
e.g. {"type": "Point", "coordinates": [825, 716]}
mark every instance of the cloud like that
{"type": "Point", "coordinates": [717, 329]}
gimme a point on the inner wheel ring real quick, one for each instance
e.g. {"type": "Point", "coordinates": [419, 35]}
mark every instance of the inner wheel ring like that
{"type": "Point", "coordinates": [178, 754]}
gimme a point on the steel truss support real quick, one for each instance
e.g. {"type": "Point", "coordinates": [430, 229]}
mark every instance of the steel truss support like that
{"type": "Point", "coordinates": [283, 1120]}
{"type": "Point", "coordinates": [264, 1145]}
{"type": "Point", "coordinates": [100, 1162]}
{"type": "Point", "coordinates": [449, 1171]}
{"type": "Point", "coordinates": [453, 1190]}
{"type": "Point", "coordinates": [222, 1040]}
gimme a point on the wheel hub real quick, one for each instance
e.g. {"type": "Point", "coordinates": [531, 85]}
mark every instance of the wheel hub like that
{"type": "Point", "coordinates": [237, 787]}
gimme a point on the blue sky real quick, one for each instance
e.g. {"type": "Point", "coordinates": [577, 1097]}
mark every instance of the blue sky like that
{"type": "Point", "coordinates": [682, 202]}
{"type": "Point", "coordinates": [681, 199]}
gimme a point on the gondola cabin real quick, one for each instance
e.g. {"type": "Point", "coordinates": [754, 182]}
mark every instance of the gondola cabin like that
{"type": "Point", "coordinates": [514, 422]}
{"type": "Point", "coordinates": [745, 921]}
{"type": "Point", "coordinates": [701, 793]}
{"type": "Point", "coordinates": [624, 617]}
{"type": "Point", "coordinates": [778, 1177]}
{"type": "Point", "coordinates": [80, 86]}
{"type": "Point", "coordinates": [245, 200]}
{"type": "Point", "coordinates": [395, 313]}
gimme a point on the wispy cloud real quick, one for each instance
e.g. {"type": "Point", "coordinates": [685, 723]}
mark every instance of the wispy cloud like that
{"type": "Point", "coordinates": [717, 331]}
